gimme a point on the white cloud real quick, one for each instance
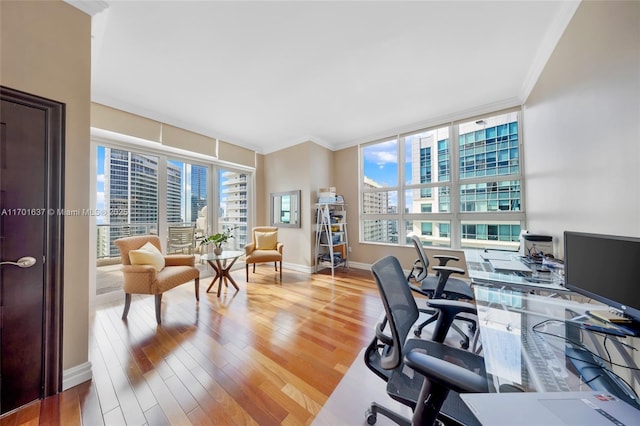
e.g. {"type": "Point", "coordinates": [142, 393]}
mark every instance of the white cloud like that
{"type": "Point", "coordinates": [101, 178]}
{"type": "Point", "coordinates": [382, 153]}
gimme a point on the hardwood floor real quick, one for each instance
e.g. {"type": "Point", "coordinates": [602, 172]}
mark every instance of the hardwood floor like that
{"type": "Point", "coordinates": [269, 354]}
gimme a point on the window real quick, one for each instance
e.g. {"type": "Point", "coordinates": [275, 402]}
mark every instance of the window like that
{"type": "Point", "coordinates": [145, 191]}
{"type": "Point", "coordinates": [459, 185]}
{"type": "Point", "coordinates": [232, 201]}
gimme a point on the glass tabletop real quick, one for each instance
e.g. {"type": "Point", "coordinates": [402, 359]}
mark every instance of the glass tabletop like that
{"type": "Point", "coordinates": [537, 343]}
{"type": "Point", "coordinates": [225, 255]}
{"type": "Point", "coordinates": [481, 269]}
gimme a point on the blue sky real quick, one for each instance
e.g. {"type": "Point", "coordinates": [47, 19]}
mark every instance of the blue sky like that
{"type": "Point", "coordinates": [381, 163]}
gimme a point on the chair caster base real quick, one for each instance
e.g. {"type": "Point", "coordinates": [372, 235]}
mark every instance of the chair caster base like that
{"type": "Point", "coordinates": [371, 417]}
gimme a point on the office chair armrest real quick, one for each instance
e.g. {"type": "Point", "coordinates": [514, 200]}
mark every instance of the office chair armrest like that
{"type": "Point", "coordinates": [448, 309]}
{"type": "Point", "coordinates": [444, 258]}
{"type": "Point", "coordinates": [380, 335]}
{"type": "Point", "coordinates": [452, 376]}
{"type": "Point", "coordinates": [418, 272]}
{"type": "Point", "coordinates": [448, 270]}
{"type": "Point", "coordinates": [453, 306]}
{"type": "Point", "coordinates": [443, 274]}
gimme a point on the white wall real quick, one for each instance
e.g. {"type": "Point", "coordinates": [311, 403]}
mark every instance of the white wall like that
{"type": "Point", "coordinates": [582, 127]}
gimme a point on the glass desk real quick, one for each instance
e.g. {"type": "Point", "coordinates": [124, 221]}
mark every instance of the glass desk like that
{"type": "Point", "coordinates": [537, 343]}
{"type": "Point", "coordinates": [481, 271]}
{"type": "Point", "coordinates": [221, 264]}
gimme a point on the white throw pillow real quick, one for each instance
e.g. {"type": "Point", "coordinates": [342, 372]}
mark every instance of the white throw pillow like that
{"type": "Point", "coordinates": [148, 254]}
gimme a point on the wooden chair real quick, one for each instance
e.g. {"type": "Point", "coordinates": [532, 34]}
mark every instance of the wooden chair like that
{"type": "Point", "coordinates": [149, 272]}
{"type": "Point", "coordinates": [264, 248]}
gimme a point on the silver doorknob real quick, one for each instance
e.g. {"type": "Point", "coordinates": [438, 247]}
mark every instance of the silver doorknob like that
{"type": "Point", "coordinates": [23, 262]}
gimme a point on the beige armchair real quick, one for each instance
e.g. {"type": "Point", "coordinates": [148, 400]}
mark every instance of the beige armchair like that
{"type": "Point", "coordinates": [264, 248]}
{"type": "Point", "coordinates": [147, 271]}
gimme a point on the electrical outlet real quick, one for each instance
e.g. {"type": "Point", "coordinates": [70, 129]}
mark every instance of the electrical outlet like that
{"type": "Point", "coordinates": [349, 249]}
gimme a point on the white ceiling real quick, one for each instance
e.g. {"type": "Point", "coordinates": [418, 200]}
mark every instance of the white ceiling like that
{"type": "Point", "coordinates": [267, 75]}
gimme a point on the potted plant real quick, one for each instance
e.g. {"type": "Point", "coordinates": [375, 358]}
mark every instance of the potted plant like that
{"type": "Point", "coordinates": [218, 239]}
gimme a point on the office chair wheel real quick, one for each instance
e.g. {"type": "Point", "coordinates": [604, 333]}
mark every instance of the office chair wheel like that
{"type": "Point", "coordinates": [464, 344]}
{"type": "Point", "coordinates": [417, 332]}
{"type": "Point", "coordinates": [372, 418]}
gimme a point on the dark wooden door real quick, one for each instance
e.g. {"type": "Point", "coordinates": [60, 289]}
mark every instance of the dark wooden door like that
{"type": "Point", "coordinates": [25, 232]}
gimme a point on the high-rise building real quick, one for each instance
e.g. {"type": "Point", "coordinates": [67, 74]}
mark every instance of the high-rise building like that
{"type": "Point", "coordinates": [487, 149]}
{"type": "Point", "coordinates": [198, 178]}
{"type": "Point", "coordinates": [174, 192]}
{"type": "Point", "coordinates": [233, 205]}
{"type": "Point", "coordinates": [131, 196]}
{"type": "Point", "coordinates": [375, 202]}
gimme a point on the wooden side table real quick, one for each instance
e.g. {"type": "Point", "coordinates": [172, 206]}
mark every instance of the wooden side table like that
{"type": "Point", "coordinates": [222, 264]}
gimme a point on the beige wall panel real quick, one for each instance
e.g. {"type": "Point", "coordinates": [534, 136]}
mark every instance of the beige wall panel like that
{"type": "Point", "coordinates": [262, 196]}
{"type": "Point", "coordinates": [115, 120]}
{"type": "Point", "coordinates": [236, 154]}
{"type": "Point", "coordinates": [299, 167]}
{"type": "Point", "coordinates": [190, 141]}
{"type": "Point", "coordinates": [46, 51]}
{"type": "Point", "coordinates": [581, 128]}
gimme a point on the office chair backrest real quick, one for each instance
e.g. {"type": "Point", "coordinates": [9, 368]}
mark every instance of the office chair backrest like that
{"type": "Point", "coordinates": [421, 265]}
{"type": "Point", "coordinates": [399, 305]}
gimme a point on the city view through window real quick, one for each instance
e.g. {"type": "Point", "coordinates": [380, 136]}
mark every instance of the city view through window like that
{"type": "Point", "coordinates": [453, 186]}
{"type": "Point", "coordinates": [141, 193]}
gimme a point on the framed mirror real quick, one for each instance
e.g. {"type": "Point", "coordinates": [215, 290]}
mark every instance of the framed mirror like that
{"type": "Point", "coordinates": [285, 209]}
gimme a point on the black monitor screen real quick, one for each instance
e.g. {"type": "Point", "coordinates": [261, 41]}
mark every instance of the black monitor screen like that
{"type": "Point", "coordinates": [605, 268]}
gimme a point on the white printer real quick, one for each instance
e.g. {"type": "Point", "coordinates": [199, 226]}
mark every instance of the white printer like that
{"type": "Point", "coordinates": [535, 245]}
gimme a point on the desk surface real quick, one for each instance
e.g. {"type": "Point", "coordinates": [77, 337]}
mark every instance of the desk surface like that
{"type": "Point", "coordinates": [538, 343]}
{"type": "Point", "coordinates": [481, 271]}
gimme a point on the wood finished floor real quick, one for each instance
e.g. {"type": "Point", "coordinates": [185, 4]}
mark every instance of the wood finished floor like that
{"type": "Point", "coordinates": [270, 354]}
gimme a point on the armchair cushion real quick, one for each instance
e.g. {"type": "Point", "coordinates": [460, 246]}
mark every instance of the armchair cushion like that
{"type": "Point", "coordinates": [148, 254]}
{"type": "Point", "coordinates": [266, 240]}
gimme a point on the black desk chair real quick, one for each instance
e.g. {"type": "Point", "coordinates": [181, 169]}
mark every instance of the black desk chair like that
{"type": "Point", "coordinates": [439, 286]}
{"type": "Point", "coordinates": [389, 357]}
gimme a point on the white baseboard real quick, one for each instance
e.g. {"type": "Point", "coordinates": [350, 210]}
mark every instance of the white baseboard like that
{"type": "Point", "coordinates": [311, 269]}
{"type": "Point", "coordinates": [298, 268]}
{"type": "Point", "coordinates": [358, 265]}
{"type": "Point", "coordinates": [76, 375]}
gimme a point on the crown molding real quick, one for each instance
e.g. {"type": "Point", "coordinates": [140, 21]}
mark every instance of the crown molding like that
{"type": "Point", "coordinates": [548, 45]}
{"type": "Point", "coordinates": [90, 7]}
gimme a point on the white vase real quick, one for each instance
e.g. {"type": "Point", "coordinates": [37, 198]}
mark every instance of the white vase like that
{"type": "Point", "coordinates": [217, 251]}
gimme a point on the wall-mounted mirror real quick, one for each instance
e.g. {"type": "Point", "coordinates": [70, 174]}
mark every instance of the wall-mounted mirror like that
{"type": "Point", "coordinates": [285, 209]}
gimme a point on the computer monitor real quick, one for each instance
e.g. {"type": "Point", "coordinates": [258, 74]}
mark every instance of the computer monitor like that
{"type": "Point", "coordinates": [605, 268]}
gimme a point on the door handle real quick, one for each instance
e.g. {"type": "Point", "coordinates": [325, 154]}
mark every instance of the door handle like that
{"type": "Point", "coordinates": [23, 262]}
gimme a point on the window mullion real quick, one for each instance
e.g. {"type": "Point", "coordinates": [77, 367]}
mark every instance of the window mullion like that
{"type": "Point", "coordinates": [162, 198]}
{"type": "Point", "coordinates": [454, 152]}
{"type": "Point", "coordinates": [401, 183]}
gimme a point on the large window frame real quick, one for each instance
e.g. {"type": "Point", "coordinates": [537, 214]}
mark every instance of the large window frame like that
{"type": "Point", "coordinates": [445, 180]}
{"type": "Point", "coordinates": [164, 155]}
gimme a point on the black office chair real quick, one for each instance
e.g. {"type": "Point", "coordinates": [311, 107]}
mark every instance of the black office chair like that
{"type": "Point", "coordinates": [404, 364]}
{"type": "Point", "coordinates": [439, 286]}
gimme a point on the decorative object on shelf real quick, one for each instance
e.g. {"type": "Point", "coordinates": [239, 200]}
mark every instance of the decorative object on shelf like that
{"type": "Point", "coordinates": [218, 239]}
{"type": "Point", "coordinates": [327, 195]}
